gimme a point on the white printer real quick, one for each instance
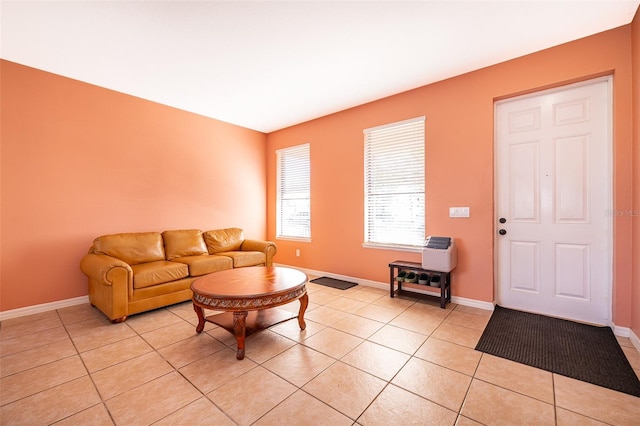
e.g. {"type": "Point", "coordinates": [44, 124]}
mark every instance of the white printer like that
{"type": "Point", "coordinates": [439, 254]}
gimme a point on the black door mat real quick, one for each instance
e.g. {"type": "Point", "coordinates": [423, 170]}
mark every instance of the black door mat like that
{"type": "Point", "coordinates": [580, 351]}
{"type": "Point", "coordinates": [334, 283]}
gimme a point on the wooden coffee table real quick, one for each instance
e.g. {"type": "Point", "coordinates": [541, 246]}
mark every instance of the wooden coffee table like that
{"type": "Point", "coordinates": [248, 297]}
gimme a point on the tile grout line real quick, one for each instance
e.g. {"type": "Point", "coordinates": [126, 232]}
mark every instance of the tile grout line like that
{"type": "Point", "coordinates": [78, 354]}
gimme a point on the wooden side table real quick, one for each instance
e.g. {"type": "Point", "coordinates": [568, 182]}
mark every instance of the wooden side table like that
{"type": "Point", "coordinates": [445, 280]}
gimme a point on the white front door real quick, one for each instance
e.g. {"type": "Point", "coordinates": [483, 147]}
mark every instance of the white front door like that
{"type": "Point", "coordinates": [553, 202]}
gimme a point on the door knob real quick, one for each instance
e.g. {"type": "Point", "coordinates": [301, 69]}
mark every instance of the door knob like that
{"type": "Point", "coordinates": [502, 231]}
{"type": "Point", "coordinates": [503, 220]}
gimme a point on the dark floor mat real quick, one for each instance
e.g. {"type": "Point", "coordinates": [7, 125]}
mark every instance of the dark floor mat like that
{"type": "Point", "coordinates": [581, 351]}
{"type": "Point", "coordinates": [334, 283]}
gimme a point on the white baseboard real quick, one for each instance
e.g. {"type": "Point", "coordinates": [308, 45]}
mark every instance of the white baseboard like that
{"type": "Point", "coordinates": [620, 331]}
{"type": "Point", "coordinates": [36, 309]}
{"type": "Point", "coordinates": [626, 332]}
{"type": "Point", "coordinates": [634, 339]}
{"type": "Point", "coordinates": [385, 286]}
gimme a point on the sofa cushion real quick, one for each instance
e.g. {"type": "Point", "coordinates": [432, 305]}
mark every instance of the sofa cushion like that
{"type": "Point", "coordinates": [132, 248]}
{"type": "Point", "coordinates": [185, 242]}
{"type": "Point", "coordinates": [246, 258]}
{"type": "Point", "coordinates": [169, 293]}
{"type": "Point", "coordinates": [220, 240]}
{"type": "Point", "coordinates": [153, 273]}
{"type": "Point", "coordinates": [205, 264]}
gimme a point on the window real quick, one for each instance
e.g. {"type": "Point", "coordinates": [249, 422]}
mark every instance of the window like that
{"type": "Point", "coordinates": [294, 192]}
{"type": "Point", "coordinates": [394, 199]}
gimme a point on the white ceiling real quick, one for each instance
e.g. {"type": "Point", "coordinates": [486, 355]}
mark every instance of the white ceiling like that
{"type": "Point", "coordinates": [266, 65]}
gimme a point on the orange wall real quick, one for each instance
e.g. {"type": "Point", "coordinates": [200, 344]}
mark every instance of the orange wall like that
{"type": "Point", "coordinates": [79, 161]}
{"type": "Point", "coordinates": [459, 165]}
{"type": "Point", "coordinates": [635, 40]}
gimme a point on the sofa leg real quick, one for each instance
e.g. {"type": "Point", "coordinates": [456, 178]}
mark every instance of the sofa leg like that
{"type": "Point", "coordinates": [119, 320]}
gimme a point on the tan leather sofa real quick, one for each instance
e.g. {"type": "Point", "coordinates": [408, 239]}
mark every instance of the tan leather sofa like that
{"type": "Point", "coordinates": [136, 272]}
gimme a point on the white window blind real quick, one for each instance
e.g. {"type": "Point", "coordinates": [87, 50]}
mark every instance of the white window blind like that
{"type": "Point", "coordinates": [294, 192]}
{"type": "Point", "coordinates": [394, 184]}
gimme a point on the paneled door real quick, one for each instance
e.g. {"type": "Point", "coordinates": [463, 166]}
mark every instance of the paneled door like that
{"type": "Point", "coordinates": [553, 202]}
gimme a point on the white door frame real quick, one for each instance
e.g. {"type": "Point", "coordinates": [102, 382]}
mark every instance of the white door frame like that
{"type": "Point", "coordinates": [606, 210]}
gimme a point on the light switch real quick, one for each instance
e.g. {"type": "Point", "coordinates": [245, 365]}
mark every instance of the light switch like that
{"type": "Point", "coordinates": [458, 211]}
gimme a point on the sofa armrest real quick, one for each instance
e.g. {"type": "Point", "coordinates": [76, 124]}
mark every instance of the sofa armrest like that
{"type": "Point", "coordinates": [110, 284]}
{"type": "Point", "coordinates": [267, 247]}
{"type": "Point", "coordinates": [100, 267]}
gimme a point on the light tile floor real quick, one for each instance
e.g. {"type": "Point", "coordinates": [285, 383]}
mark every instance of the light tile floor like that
{"type": "Point", "coordinates": [364, 359]}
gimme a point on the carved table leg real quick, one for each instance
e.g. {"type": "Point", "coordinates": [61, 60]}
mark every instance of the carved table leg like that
{"type": "Point", "coordinates": [200, 313]}
{"type": "Point", "coordinates": [304, 301]}
{"type": "Point", "coordinates": [239, 319]}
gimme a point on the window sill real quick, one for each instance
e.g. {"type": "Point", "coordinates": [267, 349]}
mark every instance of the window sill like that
{"type": "Point", "coordinates": [395, 247]}
{"type": "Point", "coordinates": [301, 239]}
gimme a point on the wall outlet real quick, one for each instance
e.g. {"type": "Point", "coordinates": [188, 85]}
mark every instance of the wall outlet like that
{"type": "Point", "coordinates": [297, 252]}
{"type": "Point", "coordinates": [458, 211]}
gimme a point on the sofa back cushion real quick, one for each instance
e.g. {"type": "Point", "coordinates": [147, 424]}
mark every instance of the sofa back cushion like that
{"type": "Point", "coordinates": [221, 240]}
{"type": "Point", "coordinates": [185, 242]}
{"type": "Point", "coordinates": [132, 248]}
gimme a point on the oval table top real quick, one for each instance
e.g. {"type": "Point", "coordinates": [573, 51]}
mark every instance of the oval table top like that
{"type": "Point", "coordinates": [249, 282]}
